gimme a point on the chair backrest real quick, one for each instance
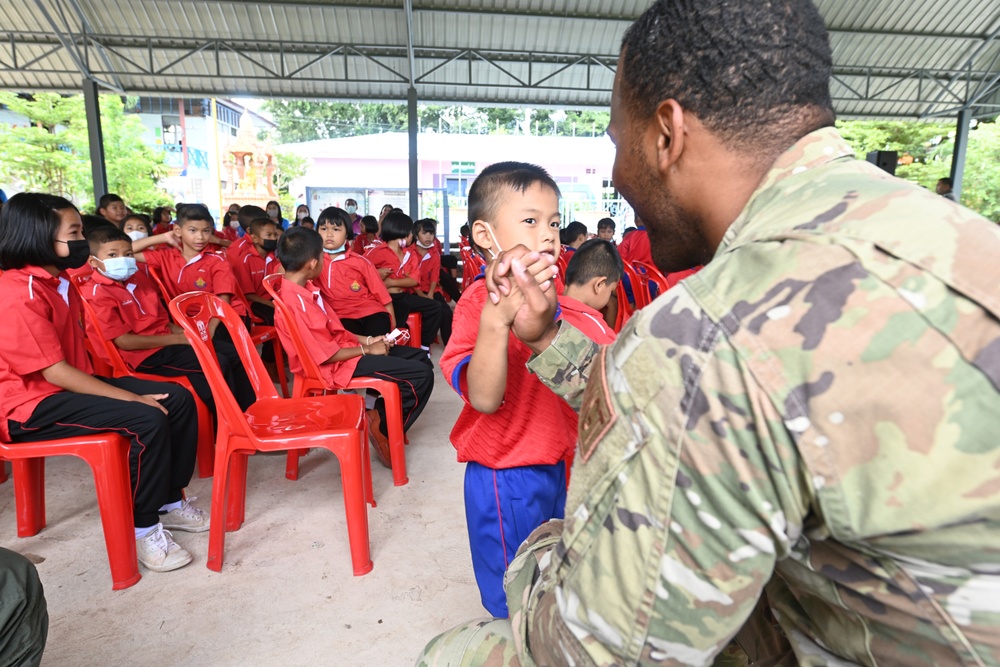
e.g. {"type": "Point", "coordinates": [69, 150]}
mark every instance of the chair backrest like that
{"type": "Point", "coordinates": [624, 308]}
{"type": "Point", "coordinates": [472, 264]}
{"type": "Point", "coordinates": [167, 289]}
{"type": "Point", "coordinates": [95, 337]}
{"type": "Point", "coordinates": [310, 369]}
{"type": "Point", "coordinates": [640, 291]}
{"type": "Point", "coordinates": [654, 275]}
{"type": "Point", "coordinates": [193, 311]}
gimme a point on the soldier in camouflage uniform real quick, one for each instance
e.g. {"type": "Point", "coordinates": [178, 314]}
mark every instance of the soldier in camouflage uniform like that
{"type": "Point", "coordinates": [793, 456]}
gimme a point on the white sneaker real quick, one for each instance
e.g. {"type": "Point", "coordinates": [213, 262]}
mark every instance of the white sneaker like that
{"type": "Point", "coordinates": [187, 517]}
{"type": "Point", "coordinates": [159, 553]}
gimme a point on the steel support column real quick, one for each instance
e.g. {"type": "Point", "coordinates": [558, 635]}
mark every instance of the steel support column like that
{"type": "Point", "coordinates": [958, 156]}
{"type": "Point", "coordinates": [411, 114]}
{"type": "Point", "coordinates": [91, 104]}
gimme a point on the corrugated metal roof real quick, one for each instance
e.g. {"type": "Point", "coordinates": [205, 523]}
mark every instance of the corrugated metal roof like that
{"type": "Point", "coordinates": [915, 59]}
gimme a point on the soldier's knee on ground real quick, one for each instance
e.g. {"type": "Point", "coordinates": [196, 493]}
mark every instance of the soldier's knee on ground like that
{"type": "Point", "coordinates": [24, 618]}
{"type": "Point", "coordinates": [484, 643]}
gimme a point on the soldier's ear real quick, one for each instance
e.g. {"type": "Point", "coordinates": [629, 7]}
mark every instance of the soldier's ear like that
{"type": "Point", "coordinates": [667, 133]}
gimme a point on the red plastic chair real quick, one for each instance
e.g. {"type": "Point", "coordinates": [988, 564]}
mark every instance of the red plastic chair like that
{"type": "Point", "coordinates": [260, 333]}
{"type": "Point", "coordinates": [415, 323]}
{"type": "Point", "coordinates": [310, 383]}
{"type": "Point", "coordinates": [651, 274]}
{"type": "Point", "coordinates": [107, 456]}
{"type": "Point", "coordinates": [273, 424]}
{"type": "Point", "coordinates": [640, 290]}
{"type": "Point", "coordinates": [472, 264]}
{"type": "Point", "coordinates": [625, 310]}
{"type": "Point", "coordinates": [113, 360]}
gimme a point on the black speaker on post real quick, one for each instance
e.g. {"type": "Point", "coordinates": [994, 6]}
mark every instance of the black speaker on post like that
{"type": "Point", "coordinates": [884, 160]}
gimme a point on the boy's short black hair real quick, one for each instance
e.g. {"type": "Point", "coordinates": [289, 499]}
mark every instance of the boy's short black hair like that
{"type": "Point", "coordinates": [596, 258]}
{"type": "Point", "coordinates": [297, 246]}
{"type": "Point", "coordinates": [189, 212]}
{"type": "Point", "coordinates": [338, 217]}
{"type": "Point", "coordinates": [947, 181]}
{"type": "Point", "coordinates": [606, 223]}
{"type": "Point", "coordinates": [258, 225]}
{"type": "Point", "coordinates": [92, 222]}
{"type": "Point", "coordinates": [248, 214]}
{"type": "Point", "coordinates": [425, 225]}
{"type": "Point", "coordinates": [106, 234]}
{"type": "Point", "coordinates": [107, 200]}
{"type": "Point", "coordinates": [397, 225]}
{"type": "Point", "coordinates": [628, 230]}
{"type": "Point", "coordinates": [464, 230]}
{"type": "Point", "coordinates": [487, 191]}
{"type": "Point", "coordinates": [307, 221]}
{"type": "Point", "coordinates": [572, 232]}
{"type": "Point", "coordinates": [29, 223]}
{"type": "Point", "coordinates": [370, 224]}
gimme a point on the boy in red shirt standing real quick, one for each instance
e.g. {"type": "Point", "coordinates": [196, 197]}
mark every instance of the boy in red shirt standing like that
{"type": "Point", "coordinates": [591, 278]}
{"type": "Point", "coordinates": [256, 262]}
{"type": "Point", "coordinates": [131, 315]}
{"type": "Point", "coordinates": [340, 354]}
{"type": "Point", "coordinates": [350, 283]}
{"type": "Point", "coordinates": [514, 434]}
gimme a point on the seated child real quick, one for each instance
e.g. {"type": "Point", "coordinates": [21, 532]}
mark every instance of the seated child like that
{"type": "Point", "coordinates": [349, 283]}
{"type": "Point", "coordinates": [606, 229]}
{"type": "Point", "coordinates": [513, 433]}
{"type": "Point", "coordinates": [49, 389]}
{"type": "Point", "coordinates": [340, 354]}
{"type": "Point", "coordinates": [230, 228]}
{"type": "Point", "coordinates": [573, 236]}
{"type": "Point", "coordinates": [189, 268]}
{"type": "Point", "coordinates": [429, 273]}
{"type": "Point", "coordinates": [591, 278]}
{"type": "Point", "coordinates": [369, 238]}
{"type": "Point", "coordinates": [136, 226]}
{"type": "Point", "coordinates": [112, 208]}
{"type": "Point", "coordinates": [255, 263]}
{"type": "Point", "coordinates": [399, 269]}
{"type": "Point", "coordinates": [132, 316]}
{"type": "Point", "coordinates": [307, 222]}
{"type": "Point", "coordinates": [244, 217]}
{"type": "Point", "coordinates": [162, 219]}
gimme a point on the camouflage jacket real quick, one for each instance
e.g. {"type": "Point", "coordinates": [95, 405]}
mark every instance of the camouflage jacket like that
{"type": "Point", "coordinates": [809, 428]}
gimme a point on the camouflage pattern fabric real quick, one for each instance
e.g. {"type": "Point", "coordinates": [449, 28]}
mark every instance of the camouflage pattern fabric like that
{"type": "Point", "coordinates": [793, 456]}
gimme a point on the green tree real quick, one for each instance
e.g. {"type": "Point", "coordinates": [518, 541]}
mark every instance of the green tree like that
{"type": "Point", "coordinates": [925, 151]}
{"type": "Point", "coordinates": [289, 167]}
{"type": "Point", "coordinates": [53, 154]}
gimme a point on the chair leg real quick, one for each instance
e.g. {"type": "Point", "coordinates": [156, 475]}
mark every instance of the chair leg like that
{"type": "Point", "coordinates": [217, 529]}
{"type": "Point", "coordinates": [292, 463]}
{"type": "Point", "coordinates": [206, 439]}
{"type": "Point", "coordinates": [114, 498]}
{"type": "Point", "coordinates": [394, 425]}
{"type": "Point", "coordinates": [279, 362]}
{"type": "Point", "coordinates": [29, 495]}
{"type": "Point", "coordinates": [236, 496]}
{"type": "Point", "coordinates": [3, 472]}
{"type": "Point", "coordinates": [352, 477]}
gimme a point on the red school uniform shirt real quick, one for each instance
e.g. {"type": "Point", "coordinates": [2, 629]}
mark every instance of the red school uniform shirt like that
{"type": "Point", "coordinates": [429, 271]}
{"type": "Point", "coordinates": [229, 234]}
{"type": "Point", "coordinates": [532, 426]}
{"type": "Point", "coordinates": [590, 322]}
{"type": "Point", "coordinates": [206, 272]}
{"type": "Point", "coordinates": [351, 285]}
{"type": "Point", "coordinates": [43, 325]}
{"type": "Point", "coordinates": [250, 270]}
{"type": "Point", "coordinates": [635, 247]}
{"type": "Point", "coordinates": [362, 244]}
{"type": "Point", "coordinates": [321, 331]}
{"type": "Point", "coordinates": [130, 307]}
{"type": "Point", "coordinates": [236, 249]}
{"type": "Point", "coordinates": [384, 257]}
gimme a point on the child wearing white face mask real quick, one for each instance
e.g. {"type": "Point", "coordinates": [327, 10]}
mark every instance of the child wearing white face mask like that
{"type": "Point", "coordinates": [131, 315]}
{"type": "Point", "coordinates": [136, 227]}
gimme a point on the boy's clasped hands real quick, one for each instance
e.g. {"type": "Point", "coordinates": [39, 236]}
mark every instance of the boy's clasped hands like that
{"type": "Point", "coordinates": [521, 287]}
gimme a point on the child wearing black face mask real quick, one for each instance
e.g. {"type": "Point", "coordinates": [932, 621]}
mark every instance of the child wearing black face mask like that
{"type": "Point", "coordinates": [255, 263]}
{"type": "Point", "coordinates": [50, 390]}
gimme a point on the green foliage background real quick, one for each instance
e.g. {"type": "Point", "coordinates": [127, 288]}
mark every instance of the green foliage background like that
{"type": "Point", "coordinates": [52, 155]}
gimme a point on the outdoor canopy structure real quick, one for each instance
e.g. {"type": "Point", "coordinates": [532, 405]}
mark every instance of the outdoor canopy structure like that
{"type": "Point", "coordinates": [920, 59]}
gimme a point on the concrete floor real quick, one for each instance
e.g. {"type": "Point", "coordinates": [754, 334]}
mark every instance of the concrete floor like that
{"type": "Point", "coordinates": [286, 595]}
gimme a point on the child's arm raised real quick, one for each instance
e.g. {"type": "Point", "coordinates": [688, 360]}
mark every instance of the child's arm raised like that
{"type": "Point", "coordinates": [168, 238]}
{"type": "Point", "coordinates": [487, 375]}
